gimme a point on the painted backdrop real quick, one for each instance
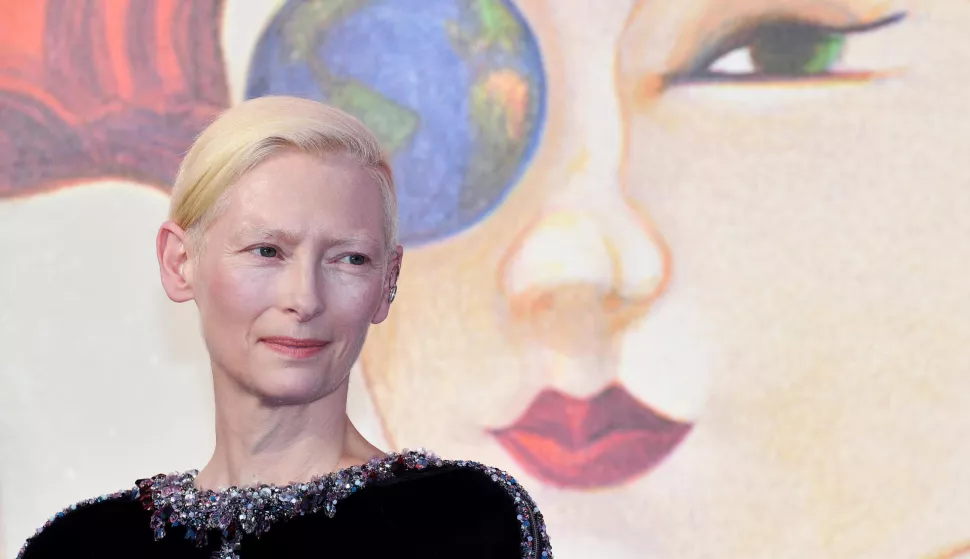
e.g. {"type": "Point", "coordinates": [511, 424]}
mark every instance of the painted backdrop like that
{"type": "Point", "coordinates": [695, 270]}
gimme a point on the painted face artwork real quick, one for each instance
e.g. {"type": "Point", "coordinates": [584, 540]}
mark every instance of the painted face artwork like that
{"type": "Point", "coordinates": [692, 269]}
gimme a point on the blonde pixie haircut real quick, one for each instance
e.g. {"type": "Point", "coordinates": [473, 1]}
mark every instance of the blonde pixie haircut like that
{"type": "Point", "coordinates": [249, 133]}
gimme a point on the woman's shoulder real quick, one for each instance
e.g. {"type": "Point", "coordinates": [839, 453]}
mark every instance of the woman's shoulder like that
{"type": "Point", "coordinates": [408, 497]}
{"type": "Point", "coordinates": [103, 522]}
{"type": "Point", "coordinates": [481, 499]}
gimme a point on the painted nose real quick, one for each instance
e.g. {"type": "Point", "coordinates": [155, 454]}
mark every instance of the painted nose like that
{"type": "Point", "coordinates": [575, 278]}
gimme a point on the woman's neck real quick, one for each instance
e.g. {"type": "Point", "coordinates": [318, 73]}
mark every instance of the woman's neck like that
{"type": "Point", "coordinates": [259, 443]}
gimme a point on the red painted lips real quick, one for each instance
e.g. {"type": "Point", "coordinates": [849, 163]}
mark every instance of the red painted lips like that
{"type": "Point", "coordinates": [586, 444]}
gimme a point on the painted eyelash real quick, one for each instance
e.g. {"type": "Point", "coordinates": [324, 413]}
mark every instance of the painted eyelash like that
{"type": "Point", "coordinates": [861, 27]}
{"type": "Point", "coordinates": [739, 39]}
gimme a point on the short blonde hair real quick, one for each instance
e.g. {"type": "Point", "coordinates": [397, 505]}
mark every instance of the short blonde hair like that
{"type": "Point", "coordinates": [249, 133]}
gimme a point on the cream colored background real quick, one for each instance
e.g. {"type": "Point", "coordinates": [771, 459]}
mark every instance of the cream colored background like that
{"type": "Point", "coordinates": [806, 248]}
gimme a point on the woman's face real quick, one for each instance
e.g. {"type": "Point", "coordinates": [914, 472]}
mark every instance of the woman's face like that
{"type": "Point", "coordinates": [727, 300]}
{"type": "Point", "coordinates": [290, 276]}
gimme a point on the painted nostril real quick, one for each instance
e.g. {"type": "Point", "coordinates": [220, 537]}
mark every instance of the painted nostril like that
{"type": "Point", "coordinates": [560, 250]}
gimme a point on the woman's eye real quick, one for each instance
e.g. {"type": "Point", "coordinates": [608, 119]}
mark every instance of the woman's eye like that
{"type": "Point", "coordinates": [356, 259]}
{"type": "Point", "coordinates": [781, 50]}
{"type": "Point", "coordinates": [266, 252]}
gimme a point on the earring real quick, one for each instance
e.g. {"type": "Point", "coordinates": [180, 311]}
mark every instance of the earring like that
{"type": "Point", "coordinates": [392, 294]}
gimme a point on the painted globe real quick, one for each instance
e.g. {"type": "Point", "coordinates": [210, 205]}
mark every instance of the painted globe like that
{"type": "Point", "coordinates": [452, 88]}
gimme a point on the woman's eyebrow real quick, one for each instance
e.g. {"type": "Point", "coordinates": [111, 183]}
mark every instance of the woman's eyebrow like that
{"type": "Point", "coordinates": [355, 239]}
{"type": "Point", "coordinates": [254, 231]}
{"type": "Point", "coordinates": [251, 232]}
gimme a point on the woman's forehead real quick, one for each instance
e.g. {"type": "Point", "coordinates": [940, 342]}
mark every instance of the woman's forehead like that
{"type": "Point", "coordinates": [272, 208]}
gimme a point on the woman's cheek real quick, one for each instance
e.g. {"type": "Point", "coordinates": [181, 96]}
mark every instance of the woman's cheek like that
{"type": "Point", "coordinates": [354, 297]}
{"type": "Point", "coordinates": [243, 288]}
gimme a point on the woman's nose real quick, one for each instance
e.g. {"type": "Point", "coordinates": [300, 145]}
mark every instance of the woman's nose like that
{"type": "Point", "coordinates": [300, 291]}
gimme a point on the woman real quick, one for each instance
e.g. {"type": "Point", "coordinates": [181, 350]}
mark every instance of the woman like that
{"type": "Point", "coordinates": [283, 232]}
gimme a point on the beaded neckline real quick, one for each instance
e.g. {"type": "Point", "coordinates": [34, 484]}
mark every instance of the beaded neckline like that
{"type": "Point", "coordinates": [175, 501]}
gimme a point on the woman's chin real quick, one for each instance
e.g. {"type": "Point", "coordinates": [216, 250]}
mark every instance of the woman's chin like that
{"type": "Point", "coordinates": [291, 388]}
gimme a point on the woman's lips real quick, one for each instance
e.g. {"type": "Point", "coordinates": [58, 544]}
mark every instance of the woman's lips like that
{"type": "Point", "coordinates": [586, 444]}
{"type": "Point", "coordinates": [296, 348]}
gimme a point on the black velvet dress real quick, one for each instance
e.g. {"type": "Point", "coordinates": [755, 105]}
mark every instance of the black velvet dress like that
{"type": "Point", "coordinates": [400, 506]}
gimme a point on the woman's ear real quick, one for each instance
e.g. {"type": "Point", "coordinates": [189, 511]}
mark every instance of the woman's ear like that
{"type": "Point", "coordinates": [173, 262]}
{"type": "Point", "coordinates": [390, 286]}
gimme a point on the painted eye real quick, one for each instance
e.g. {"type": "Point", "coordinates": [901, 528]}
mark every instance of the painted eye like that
{"type": "Point", "coordinates": [778, 50]}
{"type": "Point", "coordinates": [453, 89]}
{"type": "Point", "coordinates": [785, 50]}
